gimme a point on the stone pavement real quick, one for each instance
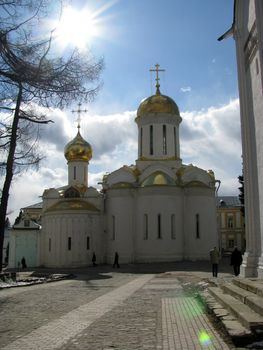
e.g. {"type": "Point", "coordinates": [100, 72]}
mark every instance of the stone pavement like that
{"type": "Point", "coordinates": [104, 309]}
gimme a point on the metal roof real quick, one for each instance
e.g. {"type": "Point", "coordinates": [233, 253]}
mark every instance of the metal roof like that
{"type": "Point", "coordinates": [228, 201]}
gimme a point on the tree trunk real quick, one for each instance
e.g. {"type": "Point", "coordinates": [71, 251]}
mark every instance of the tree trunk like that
{"type": "Point", "coordinates": [9, 172]}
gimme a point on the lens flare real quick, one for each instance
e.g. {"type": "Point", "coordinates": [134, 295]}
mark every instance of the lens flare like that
{"type": "Point", "coordinates": [204, 339]}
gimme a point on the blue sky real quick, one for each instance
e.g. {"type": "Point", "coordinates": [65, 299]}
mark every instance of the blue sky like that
{"type": "Point", "coordinates": [200, 75]}
{"type": "Point", "coordinates": [182, 37]}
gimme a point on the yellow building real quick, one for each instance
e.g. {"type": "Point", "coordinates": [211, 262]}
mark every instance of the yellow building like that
{"type": "Point", "coordinates": [230, 224]}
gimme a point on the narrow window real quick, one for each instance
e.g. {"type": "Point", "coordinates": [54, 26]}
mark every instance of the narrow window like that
{"type": "Point", "coordinates": [151, 139]}
{"type": "Point", "coordinates": [85, 175]}
{"type": "Point", "coordinates": [257, 66]}
{"type": "Point", "coordinates": [141, 136]}
{"type": "Point", "coordinates": [69, 243]}
{"type": "Point", "coordinates": [145, 228]}
{"type": "Point", "coordinates": [113, 228]}
{"type": "Point", "coordinates": [49, 244]}
{"type": "Point", "coordinates": [88, 243]}
{"type": "Point", "coordinates": [159, 227]}
{"type": "Point", "coordinates": [172, 226]}
{"type": "Point", "coordinates": [75, 173]}
{"type": "Point", "coordinates": [175, 148]}
{"type": "Point", "coordinates": [197, 228]}
{"type": "Point", "coordinates": [164, 140]}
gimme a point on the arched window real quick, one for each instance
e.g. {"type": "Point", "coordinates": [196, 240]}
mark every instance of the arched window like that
{"type": "Point", "coordinates": [175, 142]}
{"type": "Point", "coordinates": [151, 140]}
{"type": "Point", "coordinates": [164, 140]}
{"type": "Point", "coordinates": [145, 226]}
{"type": "Point", "coordinates": [197, 226]}
{"type": "Point", "coordinates": [172, 226]}
{"type": "Point", "coordinates": [113, 228]}
{"type": "Point", "coordinates": [141, 136]}
{"type": "Point", "coordinates": [159, 227]}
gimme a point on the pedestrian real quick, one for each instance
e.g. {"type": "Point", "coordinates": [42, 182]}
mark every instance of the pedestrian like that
{"type": "Point", "coordinates": [23, 263]}
{"type": "Point", "coordinates": [236, 261]}
{"type": "Point", "coordinates": [214, 258]}
{"type": "Point", "coordinates": [94, 259]}
{"type": "Point", "coordinates": [116, 260]}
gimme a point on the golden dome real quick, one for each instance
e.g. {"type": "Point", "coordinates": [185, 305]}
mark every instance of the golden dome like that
{"type": "Point", "coordinates": [158, 104]}
{"type": "Point", "coordinates": [78, 149]}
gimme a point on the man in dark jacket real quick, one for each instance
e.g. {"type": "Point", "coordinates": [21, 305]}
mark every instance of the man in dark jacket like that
{"type": "Point", "coordinates": [236, 261]}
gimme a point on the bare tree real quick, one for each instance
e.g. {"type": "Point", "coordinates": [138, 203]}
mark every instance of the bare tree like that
{"type": "Point", "coordinates": [31, 76]}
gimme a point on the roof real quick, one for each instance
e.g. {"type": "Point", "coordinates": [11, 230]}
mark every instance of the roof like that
{"type": "Point", "coordinates": [228, 201]}
{"type": "Point", "coordinates": [35, 206]}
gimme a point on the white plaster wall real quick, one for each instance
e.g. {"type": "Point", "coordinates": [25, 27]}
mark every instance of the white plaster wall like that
{"type": "Point", "coordinates": [60, 226]}
{"type": "Point", "coordinates": [199, 201]}
{"type": "Point", "coordinates": [164, 201]}
{"type": "Point", "coordinates": [120, 203]}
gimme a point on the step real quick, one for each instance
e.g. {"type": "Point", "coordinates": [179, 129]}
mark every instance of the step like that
{"type": "Point", "coordinates": [253, 286]}
{"type": "Point", "coordinates": [232, 326]}
{"type": "Point", "coordinates": [250, 319]}
{"type": "Point", "coordinates": [254, 301]}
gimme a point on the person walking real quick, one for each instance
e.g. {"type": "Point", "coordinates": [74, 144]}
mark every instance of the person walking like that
{"type": "Point", "coordinates": [23, 263]}
{"type": "Point", "coordinates": [214, 258]}
{"type": "Point", "coordinates": [236, 261]}
{"type": "Point", "coordinates": [94, 259]}
{"type": "Point", "coordinates": [116, 260]}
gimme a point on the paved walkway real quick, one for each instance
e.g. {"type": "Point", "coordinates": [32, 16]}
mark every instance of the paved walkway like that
{"type": "Point", "coordinates": [118, 311]}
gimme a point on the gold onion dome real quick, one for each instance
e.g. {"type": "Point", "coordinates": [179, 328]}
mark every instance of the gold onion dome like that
{"type": "Point", "coordinates": [78, 149]}
{"type": "Point", "coordinates": [158, 103]}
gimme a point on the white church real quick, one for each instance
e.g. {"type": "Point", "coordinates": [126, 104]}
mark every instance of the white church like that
{"type": "Point", "coordinates": [157, 210]}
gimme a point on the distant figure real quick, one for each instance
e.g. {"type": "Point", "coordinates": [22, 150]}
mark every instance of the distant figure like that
{"type": "Point", "coordinates": [214, 258]}
{"type": "Point", "coordinates": [236, 261]}
{"type": "Point", "coordinates": [23, 263]}
{"type": "Point", "coordinates": [116, 260]}
{"type": "Point", "coordinates": [94, 259]}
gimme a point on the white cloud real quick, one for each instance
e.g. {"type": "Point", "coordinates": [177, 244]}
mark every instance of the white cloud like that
{"type": "Point", "coordinates": [186, 89]}
{"type": "Point", "coordinates": [210, 139]}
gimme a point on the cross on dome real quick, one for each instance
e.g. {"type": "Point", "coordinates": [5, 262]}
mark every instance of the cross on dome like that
{"type": "Point", "coordinates": [79, 111]}
{"type": "Point", "coordinates": [157, 70]}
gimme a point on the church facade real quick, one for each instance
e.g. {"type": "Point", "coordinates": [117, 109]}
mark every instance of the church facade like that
{"type": "Point", "coordinates": [156, 210]}
{"type": "Point", "coordinates": [247, 31]}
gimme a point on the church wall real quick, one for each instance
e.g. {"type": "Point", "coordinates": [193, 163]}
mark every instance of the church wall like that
{"type": "Point", "coordinates": [155, 240]}
{"type": "Point", "coordinates": [64, 239]}
{"type": "Point", "coordinates": [120, 224]}
{"type": "Point", "coordinates": [200, 232]}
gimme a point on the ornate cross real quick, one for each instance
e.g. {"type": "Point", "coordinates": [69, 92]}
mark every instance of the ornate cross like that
{"type": "Point", "coordinates": [157, 70]}
{"type": "Point", "coordinates": [79, 111]}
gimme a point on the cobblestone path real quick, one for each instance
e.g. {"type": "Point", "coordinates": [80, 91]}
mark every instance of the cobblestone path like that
{"type": "Point", "coordinates": [138, 312]}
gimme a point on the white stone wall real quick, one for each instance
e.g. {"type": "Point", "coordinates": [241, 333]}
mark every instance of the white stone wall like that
{"type": "Point", "coordinates": [199, 201]}
{"type": "Point", "coordinates": [58, 227]}
{"type": "Point", "coordinates": [251, 106]}
{"type": "Point", "coordinates": [120, 208]}
{"type": "Point", "coordinates": [165, 202]}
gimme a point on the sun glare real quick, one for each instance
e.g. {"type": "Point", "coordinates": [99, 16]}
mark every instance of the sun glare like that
{"type": "Point", "coordinates": [77, 28]}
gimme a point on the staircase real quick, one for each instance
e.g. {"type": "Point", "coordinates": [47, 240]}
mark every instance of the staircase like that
{"type": "Point", "coordinates": [238, 305]}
